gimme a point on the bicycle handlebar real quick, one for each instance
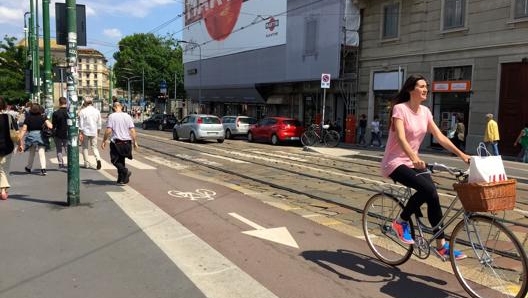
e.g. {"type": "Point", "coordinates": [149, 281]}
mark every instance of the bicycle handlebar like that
{"type": "Point", "coordinates": [444, 168]}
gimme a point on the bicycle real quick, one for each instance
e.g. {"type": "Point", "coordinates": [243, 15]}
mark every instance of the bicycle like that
{"type": "Point", "coordinates": [496, 263]}
{"type": "Point", "coordinates": [328, 136]}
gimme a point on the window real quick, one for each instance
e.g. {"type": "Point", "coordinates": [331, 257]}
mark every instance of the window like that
{"type": "Point", "coordinates": [520, 9]}
{"type": "Point", "coordinates": [454, 15]}
{"type": "Point", "coordinates": [310, 37]}
{"type": "Point", "coordinates": [391, 20]}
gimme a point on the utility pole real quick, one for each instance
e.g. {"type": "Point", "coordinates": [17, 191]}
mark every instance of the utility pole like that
{"type": "Point", "coordinates": [32, 48]}
{"type": "Point", "coordinates": [73, 103]}
{"type": "Point", "coordinates": [48, 84]}
{"type": "Point", "coordinates": [110, 88]}
{"type": "Point", "coordinates": [37, 54]}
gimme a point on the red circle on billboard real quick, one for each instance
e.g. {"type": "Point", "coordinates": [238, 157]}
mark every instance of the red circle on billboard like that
{"type": "Point", "coordinates": [221, 19]}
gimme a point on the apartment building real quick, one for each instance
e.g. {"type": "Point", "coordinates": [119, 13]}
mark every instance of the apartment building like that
{"type": "Point", "coordinates": [93, 71]}
{"type": "Point", "coordinates": [475, 54]}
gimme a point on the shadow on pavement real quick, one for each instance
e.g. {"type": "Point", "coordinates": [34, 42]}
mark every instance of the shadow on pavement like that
{"type": "Point", "coordinates": [349, 265]}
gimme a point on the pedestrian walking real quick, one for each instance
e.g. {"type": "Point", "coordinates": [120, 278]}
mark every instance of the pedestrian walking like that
{"type": "Point", "coordinates": [89, 126]}
{"type": "Point", "coordinates": [59, 120]}
{"type": "Point", "coordinates": [491, 134]}
{"type": "Point", "coordinates": [375, 132]}
{"type": "Point", "coordinates": [408, 125]}
{"type": "Point", "coordinates": [523, 140]}
{"type": "Point", "coordinates": [6, 147]}
{"type": "Point", "coordinates": [34, 140]}
{"type": "Point", "coordinates": [460, 133]}
{"type": "Point", "coordinates": [362, 129]}
{"type": "Point", "coordinates": [121, 132]}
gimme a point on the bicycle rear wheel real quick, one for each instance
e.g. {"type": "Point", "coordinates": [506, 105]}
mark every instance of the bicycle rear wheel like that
{"type": "Point", "coordinates": [496, 264]}
{"type": "Point", "coordinates": [308, 138]}
{"type": "Point", "coordinates": [378, 214]}
{"type": "Point", "coordinates": [331, 138]}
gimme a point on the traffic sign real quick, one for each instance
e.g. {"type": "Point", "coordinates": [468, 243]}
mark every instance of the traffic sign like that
{"type": "Point", "coordinates": [325, 80]}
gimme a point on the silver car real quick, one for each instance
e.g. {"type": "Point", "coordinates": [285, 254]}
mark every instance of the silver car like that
{"type": "Point", "coordinates": [199, 127]}
{"type": "Point", "coordinates": [237, 125]}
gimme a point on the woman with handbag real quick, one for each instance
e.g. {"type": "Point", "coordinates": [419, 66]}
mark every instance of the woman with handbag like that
{"type": "Point", "coordinates": [35, 141]}
{"type": "Point", "coordinates": [7, 123]}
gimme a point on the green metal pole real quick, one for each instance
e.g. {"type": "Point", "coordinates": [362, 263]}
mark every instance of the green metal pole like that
{"type": "Point", "coordinates": [73, 103]}
{"type": "Point", "coordinates": [48, 84]}
{"type": "Point", "coordinates": [32, 48]}
{"type": "Point", "coordinates": [110, 88]}
{"type": "Point", "coordinates": [37, 54]}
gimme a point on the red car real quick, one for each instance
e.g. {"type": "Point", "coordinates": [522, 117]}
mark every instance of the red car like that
{"type": "Point", "coordinates": [276, 130]}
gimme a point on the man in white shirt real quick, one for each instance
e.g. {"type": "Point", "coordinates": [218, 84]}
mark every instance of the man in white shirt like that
{"type": "Point", "coordinates": [89, 126]}
{"type": "Point", "coordinates": [121, 132]}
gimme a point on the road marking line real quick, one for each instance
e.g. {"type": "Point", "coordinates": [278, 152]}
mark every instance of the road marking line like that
{"type": "Point", "coordinates": [210, 271]}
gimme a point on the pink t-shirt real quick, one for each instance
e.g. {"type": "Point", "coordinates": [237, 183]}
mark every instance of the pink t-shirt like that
{"type": "Point", "coordinates": [415, 126]}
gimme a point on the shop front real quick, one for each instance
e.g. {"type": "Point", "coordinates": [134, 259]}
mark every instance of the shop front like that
{"type": "Point", "coordinates": [450, 104]}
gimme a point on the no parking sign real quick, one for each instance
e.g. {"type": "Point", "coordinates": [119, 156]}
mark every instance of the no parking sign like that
{"type": "Point", "coordinates": [325, 80]}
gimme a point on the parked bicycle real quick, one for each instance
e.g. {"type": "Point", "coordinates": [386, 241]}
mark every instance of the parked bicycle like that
{"type": "Point", "coordinates": [313, 135]}
{"type": "Point", "coordinates": [496, 263]}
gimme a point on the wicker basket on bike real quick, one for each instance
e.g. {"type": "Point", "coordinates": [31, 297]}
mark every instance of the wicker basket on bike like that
{"type": "Point", "coordinates": [484, 197]}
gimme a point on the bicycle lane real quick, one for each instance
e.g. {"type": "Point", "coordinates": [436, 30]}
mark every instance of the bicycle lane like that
{"type": "Point", "coordinates": [302, 259]}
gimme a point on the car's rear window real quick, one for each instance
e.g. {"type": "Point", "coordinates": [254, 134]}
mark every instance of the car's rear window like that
{"type": "Point", "coordinates": [292, 122]}
{"type": "Point", "coordinates": [210, 120]}
{"type": "Point", "coordinates": [247, 120]}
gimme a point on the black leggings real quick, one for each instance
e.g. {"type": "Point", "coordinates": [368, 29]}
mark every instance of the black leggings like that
{"type": "Point", "coordinates": [425, 193]}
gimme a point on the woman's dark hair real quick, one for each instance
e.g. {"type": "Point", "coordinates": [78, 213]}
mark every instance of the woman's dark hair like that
{"type": "Point", "coordinates": [35, 109]}
{"type": "Point", "coordinates": [404, 95]}
{"type": "Point", "coordinates": [3, 104]}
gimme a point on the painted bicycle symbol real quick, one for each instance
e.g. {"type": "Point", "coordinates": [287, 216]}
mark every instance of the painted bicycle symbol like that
{"type": "Point", "coordinates": [199, 193]}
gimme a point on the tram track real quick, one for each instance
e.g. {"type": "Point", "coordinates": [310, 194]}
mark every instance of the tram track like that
{"type": "Point", "coordinates": [318, 178]}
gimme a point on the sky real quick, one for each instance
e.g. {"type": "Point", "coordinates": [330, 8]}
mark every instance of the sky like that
{"type": "Point", "coordinates": [107, 21]}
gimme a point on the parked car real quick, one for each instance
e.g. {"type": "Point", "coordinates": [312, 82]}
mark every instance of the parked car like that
{"type": "Point", "coordinates": [237, 125]}
{"type": "Point", "coordinates": [159, 122]}
{"type": "Point", "coordinates": [276, 130]}
{"type": "Point", "coordinates": [199, 127]}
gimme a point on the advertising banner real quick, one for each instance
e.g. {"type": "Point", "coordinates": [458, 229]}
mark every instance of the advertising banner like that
{"type": "Point", "coordinates": [224, 27]}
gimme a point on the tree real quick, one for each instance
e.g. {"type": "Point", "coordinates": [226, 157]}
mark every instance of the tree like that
{"type": "Point", "coordinates": [159, 58]}
{"type": "Point", "coordinates": [12, 83]}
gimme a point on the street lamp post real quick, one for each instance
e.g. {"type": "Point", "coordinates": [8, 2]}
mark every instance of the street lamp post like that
{"type": "Point", "coordinates": [128, 90]}
{"type": "Point", "coordinates": [200, 71]}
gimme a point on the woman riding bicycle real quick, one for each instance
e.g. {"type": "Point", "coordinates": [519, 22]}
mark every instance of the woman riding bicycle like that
{"type": "Point", "coordinates": [408, 124]}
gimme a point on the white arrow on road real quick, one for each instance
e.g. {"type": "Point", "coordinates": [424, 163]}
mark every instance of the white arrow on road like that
{"type": "Point", "coordinates": [280, 235]}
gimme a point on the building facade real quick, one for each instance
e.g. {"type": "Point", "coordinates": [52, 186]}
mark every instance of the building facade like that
{"type": "Point", "coordinates": [93, 72]}
{"type": "Point", "coordinates": [269, 56]}
{"type": "Point", "coordinates": [475, 54]}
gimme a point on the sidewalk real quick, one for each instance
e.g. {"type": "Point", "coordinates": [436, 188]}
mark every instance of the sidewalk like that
{"type": "Point", "coordinates": [48, 249]}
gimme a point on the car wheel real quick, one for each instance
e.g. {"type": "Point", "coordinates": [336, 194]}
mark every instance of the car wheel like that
{"type": "Point", "coordinates": [192, 138]}
{"type": "Point", "coordinates": [144, 126]}
{"type": "Point", "coordinates": [274, 139]}
{"type": "Point", "coordinates": [175, 135]}
{"type": "Point", "coordinates": [160, 126]}
{"type": "Point", "coordinates": [228, 134]}
{"type": "Point", "coordinates": [250, 137]}
{"type": "Point", "coordinates": [220, 141]}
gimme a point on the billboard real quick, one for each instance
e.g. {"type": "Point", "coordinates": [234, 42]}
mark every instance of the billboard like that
{"type": "Point", "coordinates": [224, 27]}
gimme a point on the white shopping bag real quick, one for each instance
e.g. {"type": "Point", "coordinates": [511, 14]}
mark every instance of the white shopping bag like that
{"type": "Point", "coordinates": [486, 168]}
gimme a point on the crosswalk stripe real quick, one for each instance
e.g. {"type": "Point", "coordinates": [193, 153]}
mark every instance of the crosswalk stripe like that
{"type": "Point", "coordinates": [106, 165]}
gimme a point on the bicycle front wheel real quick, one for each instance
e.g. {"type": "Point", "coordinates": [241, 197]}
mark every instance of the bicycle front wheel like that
{"type": "Point", "coordinates": [331, 138]}
{"type": "Point", "coordinates": [378, 214]}
{"type": "Point", "coordinates": [308, 138]}
{"type": "Point", "coordinates": [495, 265]}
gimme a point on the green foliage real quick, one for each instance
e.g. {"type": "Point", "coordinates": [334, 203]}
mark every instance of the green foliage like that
{"type": "Point", "coordinates": [159, 58]}
{"type": "Point", "coordinates": [11, 70]}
